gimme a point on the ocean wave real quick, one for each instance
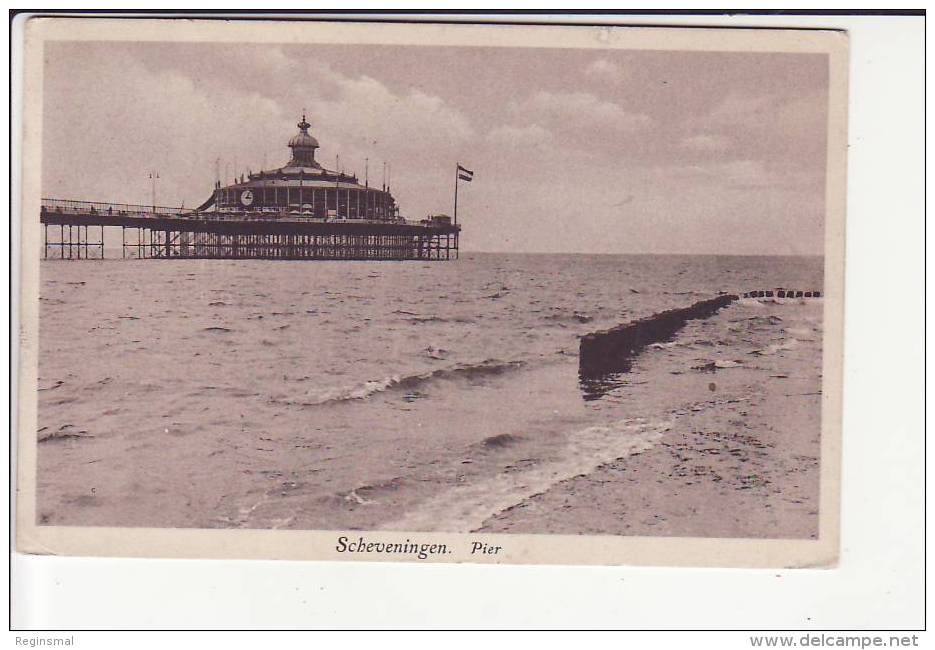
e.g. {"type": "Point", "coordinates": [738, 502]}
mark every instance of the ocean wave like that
{"type": "Point", "coordinates": [575, 317]}
{"type": "Point", "coordinates": [368, 494]}
{"type": "Point", "coordinates": [775, 348]}
{"type": "Point", "coordinates": [468, 371]}
{"type": "Point", "coordinates": [64, 432]}
{"type": "Point", "coordinates": [500, 441]}
{"type": "Point", "coordinates": [421, 320]}
{"type": "Point", "coordinates": [465, 508]}
{"type": "Point", "coordinates": [718, 364]}
{"type": "Point", "coordinates": [668, 344]}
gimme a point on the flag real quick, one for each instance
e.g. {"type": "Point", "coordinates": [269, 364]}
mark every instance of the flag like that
{"type": "Point", "coordinates": [465, 174]}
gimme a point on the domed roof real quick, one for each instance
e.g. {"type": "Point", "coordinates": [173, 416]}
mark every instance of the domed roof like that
{"type": "Point", "coordinates": [302, 138]}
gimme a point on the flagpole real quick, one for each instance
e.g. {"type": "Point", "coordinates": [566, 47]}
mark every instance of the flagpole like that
{"type": "Point", "coordinates": [457, 165]}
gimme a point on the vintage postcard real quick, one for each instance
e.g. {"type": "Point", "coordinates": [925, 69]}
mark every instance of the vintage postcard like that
{"type": "Point", "coordinates": [431, 292]}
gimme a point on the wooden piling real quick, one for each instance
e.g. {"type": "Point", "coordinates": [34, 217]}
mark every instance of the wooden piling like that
{"type": "Point", "coordinates": [604, 351]}
{"type": "Point", "coordinates": [241, 236]}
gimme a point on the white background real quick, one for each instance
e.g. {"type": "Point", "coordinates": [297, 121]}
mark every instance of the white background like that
{"type": "Point", "coordinates": [878, 585]}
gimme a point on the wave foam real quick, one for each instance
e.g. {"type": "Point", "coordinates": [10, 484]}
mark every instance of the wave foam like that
{"type": "Point", "coordinates": [470, 371]}
{"type": "Point", "coordinates": [466, 507]}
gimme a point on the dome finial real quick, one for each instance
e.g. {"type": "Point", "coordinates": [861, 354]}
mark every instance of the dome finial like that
{"type": "Point", "coordinates": [303, 125]}
{"type": "Point", "coordinates": [303, 146]}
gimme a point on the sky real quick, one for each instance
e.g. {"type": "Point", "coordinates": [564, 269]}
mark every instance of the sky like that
{"type": "Point", "coordinates": [587, 151]}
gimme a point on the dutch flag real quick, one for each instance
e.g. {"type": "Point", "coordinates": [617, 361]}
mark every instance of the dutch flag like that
{"type": "Point", "coordinates": [465, 174]}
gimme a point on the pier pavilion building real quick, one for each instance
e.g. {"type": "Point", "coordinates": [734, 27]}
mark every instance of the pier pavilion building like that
{"type": "Point", "coordinates": [304, 186]}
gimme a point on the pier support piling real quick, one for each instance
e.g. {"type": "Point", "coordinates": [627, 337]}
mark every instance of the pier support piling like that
{"type": "Point", "coordinates": [241, 235]}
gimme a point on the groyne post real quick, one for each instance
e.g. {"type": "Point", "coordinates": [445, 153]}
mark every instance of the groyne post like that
{"type": "Point", "coordinates": [608, 350]}
{"type": "Point", "coordinates": [782, 293]}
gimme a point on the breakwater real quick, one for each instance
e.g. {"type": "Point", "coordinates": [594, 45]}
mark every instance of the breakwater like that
{"type": "Point", "coordinates": [782, 293]}
{"type": "Point", "coordinates": [609, 350]}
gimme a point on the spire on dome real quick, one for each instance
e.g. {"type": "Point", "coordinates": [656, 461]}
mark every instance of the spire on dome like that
{"type": "Point", "coordinates": [303, 146]}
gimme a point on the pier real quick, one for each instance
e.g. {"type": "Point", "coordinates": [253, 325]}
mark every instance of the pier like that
{"type": "Point", "coordinates": [300, 211]}
{"type": "Point", "coordinates": [77, 233]}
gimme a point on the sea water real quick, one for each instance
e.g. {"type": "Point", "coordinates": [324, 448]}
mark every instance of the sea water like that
{"type": "Point", "coordinates": [327, 395]}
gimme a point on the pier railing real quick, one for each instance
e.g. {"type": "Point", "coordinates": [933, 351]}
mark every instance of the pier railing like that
{"type": "Point", "coordinates": [95, 208]}
{"type": "Point", "coordinates": [164, 232]}
{"type": "Point", "coordinates": [67, 206]}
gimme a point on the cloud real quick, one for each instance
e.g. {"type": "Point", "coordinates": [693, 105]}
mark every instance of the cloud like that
{"type": "Point", "coordinates": [358, 111]}
{"type": "Point", "coordinates": [784, 132]}
{"type": "Point", "coordinates": [749, 173]}
{"type": "Point", "coordinates": [604, 71]}
{"type": "Point", "coordinates": [792, 114]}
{"type": "Point", "coordinates": [145, 120]}
{"type": "Point", "coordinates": [804, 116]}
{"type": "Point", "coordinates": [734, 171]}
{"type": "Point", "coordinates": [147, 111]}
{"type": "Point", "coordinates": [706, 142]}
{"type": "Point", "coordinates": [366, 115]}
{"type": "Point", "coordinates": [748, 110]}
{"type": "Point", "coordinates": [531, 135]}
{"type": "Point", "coordinates": [713, 151]}
{"type": "Point", "coordinates": [577, 123]}
{"type": "Point", "coordinates": [742, 174]}
{"type": "Point", "coordinates": [578, 108]}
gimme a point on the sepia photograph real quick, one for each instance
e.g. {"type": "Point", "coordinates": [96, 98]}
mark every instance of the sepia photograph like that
{"type": "Point", "coordinates": [432, 292]}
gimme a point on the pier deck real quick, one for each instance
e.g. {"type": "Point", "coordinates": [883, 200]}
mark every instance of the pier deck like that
{"type": "Point", "coordinates": [173, 233]}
